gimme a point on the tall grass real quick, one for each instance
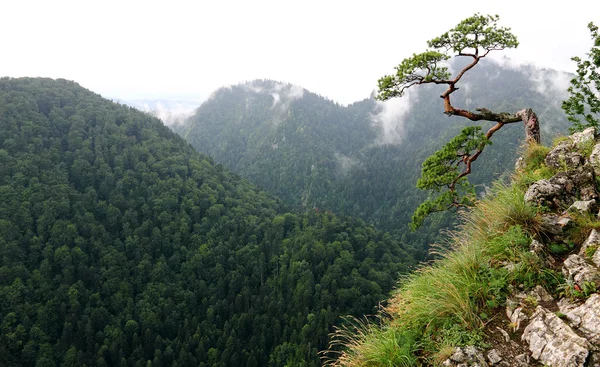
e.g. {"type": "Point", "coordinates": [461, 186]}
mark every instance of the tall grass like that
{"type": "Point", "coordinates": [371, 344]}
{"type": "Point", "coordinates": [449, 302]}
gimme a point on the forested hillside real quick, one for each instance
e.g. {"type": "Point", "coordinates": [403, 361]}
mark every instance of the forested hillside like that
{"type": "Point", "coordinates": [364, 159]}
{"type": "Point", "coordinates": [122, 246]}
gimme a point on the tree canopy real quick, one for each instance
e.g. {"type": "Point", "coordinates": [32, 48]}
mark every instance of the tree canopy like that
{"type": "Point", "coordinates": [122, 246]}
{"type": "Point", "coordinates": [584, 99]}
{"type": "Point", "coordinates": [473, 38]}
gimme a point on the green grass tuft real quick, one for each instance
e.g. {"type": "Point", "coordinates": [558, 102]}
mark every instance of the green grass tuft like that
{"type": "Point", "coordinates": [449, 302]}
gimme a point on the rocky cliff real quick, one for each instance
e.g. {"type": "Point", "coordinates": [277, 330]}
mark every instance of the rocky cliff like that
{"type": "Point", "coordinates": [517, 285]}
{"type": "Point", "coordinates": [560, 329]}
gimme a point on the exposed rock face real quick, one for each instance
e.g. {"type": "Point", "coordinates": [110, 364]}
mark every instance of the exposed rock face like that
{"type": "Point", "coordinates": [522, 360]}
{"type": "Point", "coordinates": [586, 319]}
{"type": "Point", "coordinates": [566, 305]}
{"type": "Point", "coordinates": [517, 317]}
{"type": "Point", "coordinates": [546, 193]}
{"type": "Point", "coordinates": [564, 154]}
{"type": "Point", "coordinates": [596, 258]}
{"type": "Point", "coordinates": [586, 135]}
{"type": "Point", "coordinates": [564, 189]}
{"type": "Point", "coordinates": [579, 184]}
{"type": "Point", "coordinates": [577, 270]}
{"type": "Point", "coordinates": [536, 247]}
{"type": "Point", "coordinates": [494, 357]}
{"type": "Point", "coordinates": [594, 360]}
{"type": "Point", "coordinates": [467, 356]}
{"type": "Point", "coordinates": [555, 225]}
{"type": "Point", "coordinates": [574, 341]}
{"type": "Point", "coordinates": [553, 342]}
{"type": "Point", "coordinates": [574, 185]}
{"type": "Point", "coordinates": [593, 240]}
{"type": "Point", "coordinates": [583, 206]}
{"type": "Point", "coordinates": [595, 159]}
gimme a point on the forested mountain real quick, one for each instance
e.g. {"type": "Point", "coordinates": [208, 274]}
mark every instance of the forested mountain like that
{"type": "Point", "coordinates": [122, 246]}
{"type": "Point", "coordinates": [364, 159]}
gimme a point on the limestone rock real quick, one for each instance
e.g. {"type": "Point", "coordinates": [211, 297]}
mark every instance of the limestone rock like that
{"type": "Point", "coordinates": [586, 319]}
{"type": "Point", "coordinates": [564, 156]}
{"type": "Point", "coordinates": [552, 342]}
{"type": "Point", "coordinates": [544, 192]}
{"type": "Point", "coordinates": [594, 360]}
{"type": "Point", "coordinates": [520, 164]}
{"type": "Point", "coordinates": [565, 305]}
{"type": "Point", "coordinates": [587, 206]}
{"type": "Point", "coordinates": [576, 269]}
{"type": "Point", "coordinates": [578, 183]}
{"type": "Point", "coordinates": [592, 240]}
{"type": "Point", "coordinates": [584, 136]}
{"type": "Point", "coordinates": [596, 257]}
{"type": "Point", "coordinates": [467, 356]}
{"type": "Point", "coordinates": [494, 357]}
{"type": "Point", "coordinates": [563, 189]}
{"type": "Point", "coordinates": [504, 334]}
{"type": "Point", "coordinates": [554, 225]}
{"type": "Point", "coordinates": [536, 247]}
{"type": "Point", "coordinates": [541, 294]}
{"type": "Point", "coordinates": [595, 159]}
{"type": "Point", "coordinates": [522, 360]}
{"type": "Point", "coordinates": [517, 318]}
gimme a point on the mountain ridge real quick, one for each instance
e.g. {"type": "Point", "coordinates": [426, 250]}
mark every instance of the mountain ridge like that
{"type": "Point", "coordinates": [121, 245]}
{"type": "Point", "coordinates": [362, 159]}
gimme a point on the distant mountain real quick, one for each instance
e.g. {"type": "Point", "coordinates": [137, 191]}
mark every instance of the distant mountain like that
{"type": "Point", "coordinates": [122, 246]}
{"type": "Point", "coordinates": [171, 112]}
{"type": "Point", "coordinates": [364, 159]}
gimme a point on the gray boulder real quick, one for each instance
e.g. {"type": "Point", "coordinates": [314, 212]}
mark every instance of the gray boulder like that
{"type": "Point", "coordinates": [467, 356]}
{"type": "Point", "coordinates": [563, 189]}
{"type": "Point", "coordinates": [554, 226]}
{"type": "Point", "coordinates": [564, 156]}
{"type": "Point", "coordinates": [544, 192]}
{"type": "Point", "coordinates": [576, 269]}
{"type": "Point", "coordinates": [593, 239]}
{"type": "Point", "coordinates": [595, 159]}
{"type": "Point", "coordinates": [583, 136]}
{"type": "Point", "coordinates": [586, 319]}
{"type": "Point", "coordinates": [580, 206]}
{"type": "Point", "coordinates": [553, 343]}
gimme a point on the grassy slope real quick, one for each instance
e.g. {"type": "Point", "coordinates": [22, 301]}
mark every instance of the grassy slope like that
{"type": "Point", "coordinates": [452, 302]}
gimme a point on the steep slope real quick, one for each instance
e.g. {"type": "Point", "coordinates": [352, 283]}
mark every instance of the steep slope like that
{"type": "Point", "coordinates": [519, 285]}
{"type": "Point", "coordinates": [363, 159]}
{"type": "Point", "coordinates": [121, 245]}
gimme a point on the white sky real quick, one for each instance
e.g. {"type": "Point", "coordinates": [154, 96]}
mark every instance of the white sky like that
{"type": "Point", "coordinates": [187, 49]}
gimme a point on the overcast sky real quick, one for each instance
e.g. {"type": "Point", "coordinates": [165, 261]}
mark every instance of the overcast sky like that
{"type": "Point", "coordinates": [186, 49]}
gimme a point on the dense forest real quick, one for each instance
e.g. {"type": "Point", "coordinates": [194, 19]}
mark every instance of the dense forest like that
{"type": "Point", "coordinates": [120, 245]}
{"type": "Point", "coordinates": [364, 159]}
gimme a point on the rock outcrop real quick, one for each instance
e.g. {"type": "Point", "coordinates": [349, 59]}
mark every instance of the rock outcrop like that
{"type": "Point", "coordinates": [553, 342]}
{"type": "Point", "coordinates": [586, 318]}
{"type": "Point", "coordinates": [540, 330]}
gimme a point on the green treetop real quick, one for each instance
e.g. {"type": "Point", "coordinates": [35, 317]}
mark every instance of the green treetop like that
{"type": "Point", "coordinates": [473, 38]}
{"type": "Point", "coordinates": [585, 88]}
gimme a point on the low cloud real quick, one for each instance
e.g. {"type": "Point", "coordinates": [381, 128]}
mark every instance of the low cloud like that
{"type": "Point", "coordinates": [390, 117]}
{"type": "Point", "coordinates": [282, 93]}
{"type": "Point", "coordinates": [508, 63]}
{"type": "Point", "coordinates": [344, 163]}
{"type": "Point", "coordinates": [171, 112]}
{"type": "Point", "coordinates": [551, 82]}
